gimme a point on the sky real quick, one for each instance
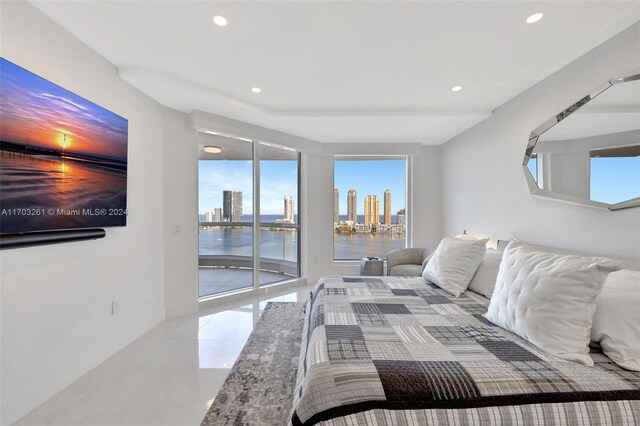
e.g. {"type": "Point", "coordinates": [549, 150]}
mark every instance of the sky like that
{"type": "Point", "coordinates": [371, 177]}
{"type": "Point", "coordinates": [38, 112]}
{"type": "Point", "coordinates": [615, 179]}
{"type": "Point", "coordinates": [612, 179]}
{"type": "Point", "coordinates": [278, 179]}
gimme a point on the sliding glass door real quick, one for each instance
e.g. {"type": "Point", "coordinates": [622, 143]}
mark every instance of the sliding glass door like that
{"type": "Point", "coordinates": [243, 186]}
{"type": "Point", "coordinates": [225, 198]}
{"type": "Point", "coordinates": [279, 220]}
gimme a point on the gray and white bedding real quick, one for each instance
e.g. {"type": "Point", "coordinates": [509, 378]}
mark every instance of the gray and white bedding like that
{"type": "Point", "coordinates": [399, 350]}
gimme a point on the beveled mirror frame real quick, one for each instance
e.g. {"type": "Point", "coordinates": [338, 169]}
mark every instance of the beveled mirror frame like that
{"type": "Point", "coordinates": [544, 194]}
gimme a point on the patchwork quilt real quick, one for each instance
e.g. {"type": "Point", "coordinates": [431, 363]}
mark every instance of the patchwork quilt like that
{"type": "Point", "coordinates": [401, 351]}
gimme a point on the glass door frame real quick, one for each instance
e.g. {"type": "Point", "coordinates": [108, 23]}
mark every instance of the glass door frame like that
{"type": "Point", "coordinates": [408, 191]}
{"type": "Point", "coordinates": [257, 231]}
{"type": "Point", "coordinates": [256, 222]}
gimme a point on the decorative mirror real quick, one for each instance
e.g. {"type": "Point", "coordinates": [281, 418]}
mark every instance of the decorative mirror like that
{"type": "Point", "coordinates": [589, 154]}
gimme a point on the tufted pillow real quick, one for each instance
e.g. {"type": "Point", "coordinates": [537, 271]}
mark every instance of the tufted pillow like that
{"type": "Point", "coordinates": [453, 264]}
{"type": "Point", "coordinates": [616, 324]}
{"type": "Point", "coordinates": [484, 280]}
{"type": "Point", "coordinates": [549, 299]}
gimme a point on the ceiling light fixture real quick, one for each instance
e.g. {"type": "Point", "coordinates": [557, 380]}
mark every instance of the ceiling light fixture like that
{"type": "Point", "coordinates": [456, 88]}
{"type": "Point", "coordinates": [219, 20]}
{"type": "Point", "coordinates": [532, 19]}
{"type": "Point", "coordinates": [256, 89]}
{"type": "Point", "coordinates": [212, 149]}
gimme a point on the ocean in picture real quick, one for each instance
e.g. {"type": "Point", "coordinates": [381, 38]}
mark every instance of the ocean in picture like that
{"type": "Point", "coordinates": [63, 159]}
{"type": "Point", "coordinates": [49, 192]}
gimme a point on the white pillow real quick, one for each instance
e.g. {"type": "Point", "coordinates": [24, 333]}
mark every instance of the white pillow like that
{"type": "Point", "coordinates": [549, 299]}
{"type": "Point", "coordinates": [426, 260]}
{"type": "Point", "coordinates": [616, 324]}
{"type": "Point", "coordinates": [484, 280]}
{"type": "Point", "coordinates": [453, 264]}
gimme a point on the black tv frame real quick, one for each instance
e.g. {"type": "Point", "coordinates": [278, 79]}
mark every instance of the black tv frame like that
{"type": "Point", "coordinates": [38, 238]}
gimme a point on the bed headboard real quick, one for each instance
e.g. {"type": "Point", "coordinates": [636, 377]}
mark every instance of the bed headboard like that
{"type": "Point", "coordinates": [634, 265]}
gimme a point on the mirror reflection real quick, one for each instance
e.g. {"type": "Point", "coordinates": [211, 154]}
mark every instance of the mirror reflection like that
{"type": "Point", "coordinates": [591, 151]}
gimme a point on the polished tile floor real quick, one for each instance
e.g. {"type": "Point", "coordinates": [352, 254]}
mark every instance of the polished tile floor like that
{"type": "Point", "coordinates": [169, 376]}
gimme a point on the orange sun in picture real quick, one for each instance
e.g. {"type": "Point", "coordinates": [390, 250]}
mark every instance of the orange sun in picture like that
{"type": "Point", "coordinates": [64, 139]}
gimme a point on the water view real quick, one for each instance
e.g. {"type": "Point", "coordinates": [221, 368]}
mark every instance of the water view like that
{"type": "Point", "coordinates": [278, 245]}
{"type": "Point", "coordinates": [63, 158]}
{"type": "Point", "coordinates": [49, 192]}
{"type": "Point", "coordinates": [283, 245]}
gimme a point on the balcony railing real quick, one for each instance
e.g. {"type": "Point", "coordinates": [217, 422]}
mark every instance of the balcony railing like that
{"type": "Point", "coordinates": [221, 247]}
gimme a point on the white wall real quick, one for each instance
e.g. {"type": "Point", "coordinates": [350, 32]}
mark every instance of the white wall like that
{"type": "Point", "coordinates": [426, 220]}
{"type": "Point", "coordinates": [567, 173]}
{"type": "Point", "coordinates": [56, 300]}
{"type": "Point", "coordinates": [180, 210]}
{"type": "Point", "coordinates": [483, 184]}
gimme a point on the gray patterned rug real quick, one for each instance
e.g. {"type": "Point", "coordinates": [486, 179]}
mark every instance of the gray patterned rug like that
{"type": "Point", "coordinates": [259, 388]}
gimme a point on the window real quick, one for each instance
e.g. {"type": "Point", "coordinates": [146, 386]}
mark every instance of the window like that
{"type": "Point", "coordinates": [533, 167]}
{"type": "Point", "coordinates": [231, 256]}
{"type": "Point", "coordinates": [279, 219]}
{"type": "Point", "coordinates": [613, 177]}
{"type": "Point", "coordinates": [369, 206]}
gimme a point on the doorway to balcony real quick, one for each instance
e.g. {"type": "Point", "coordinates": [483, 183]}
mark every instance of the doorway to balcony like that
{"type": "Point", "coordinates": [246, 186]}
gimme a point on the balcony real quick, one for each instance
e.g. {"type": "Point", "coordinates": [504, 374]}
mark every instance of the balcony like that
{"type": "Point", "coordinates": [226, 255]}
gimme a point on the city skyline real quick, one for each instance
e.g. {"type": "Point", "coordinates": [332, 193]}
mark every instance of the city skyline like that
{"type": "Point", "coordinates": [231, 206]}
{"type": "Point", "coordinates": [232, 209]}
{"type": "Point", "coordinates": [278, 178]}
{"type": "Point", "coordinates": [369, 177]}
{"type": "Point", "coordinates": [371, 208]}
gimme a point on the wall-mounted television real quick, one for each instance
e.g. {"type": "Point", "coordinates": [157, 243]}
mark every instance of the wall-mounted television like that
{"type": "Point", "coordinates": [63, 159]}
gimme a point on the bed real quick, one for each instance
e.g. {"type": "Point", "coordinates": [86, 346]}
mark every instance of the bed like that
{"type": "Point", "coordinates": [401, 351]}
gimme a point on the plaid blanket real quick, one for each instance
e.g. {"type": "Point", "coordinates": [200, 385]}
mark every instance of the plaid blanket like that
{"type": "Point", "coordinates": [399, 350]}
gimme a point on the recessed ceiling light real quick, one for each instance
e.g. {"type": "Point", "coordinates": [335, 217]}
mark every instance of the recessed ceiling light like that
{"type": "Point", "coordinates": [256, 89]}
{"type": "Point", "coordinates": [219, 20]}
{"type": "Point", "coordinates": [532, 19]}
{"type": "Point", "coordinates": [211, 149]}
{"type": "Point", "coordinates": [456, 88]}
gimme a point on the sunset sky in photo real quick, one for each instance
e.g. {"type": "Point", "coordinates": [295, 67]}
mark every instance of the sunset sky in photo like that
{"type": "Point", "coordinates": [37, 112]}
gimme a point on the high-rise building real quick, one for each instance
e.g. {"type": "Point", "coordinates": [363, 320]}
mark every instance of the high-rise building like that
{"type": "Point", "coordinates": [232, 206]}
{"type": "Point", "coordinates": [236, 212]}
{"type": "Point", "coordinates": [387, 207]}
{"type": "Point", "coordinates": [336, 205]}
{"type": "Point", "coordinates": [352, 206]}
{"type": "Point", "coordinates": [227, 203]}
{"type": "Point", "coordinates": [208, 216]}
{"type": "Point", "coordinates": [288, 208]}
{"type": "Point", "coordinates": [401, 217]}
{"type": "Point", "coordinates": [371, 209]}
{"type": "Point", "coordinates": [217, 214]}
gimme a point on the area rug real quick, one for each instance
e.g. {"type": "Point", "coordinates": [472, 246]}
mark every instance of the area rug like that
{"type": "Point", "coordinates": [259, 388]}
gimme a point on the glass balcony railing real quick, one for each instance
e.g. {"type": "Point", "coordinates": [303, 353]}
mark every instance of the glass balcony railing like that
{"type": "Point", "coordinates": [226, 255]}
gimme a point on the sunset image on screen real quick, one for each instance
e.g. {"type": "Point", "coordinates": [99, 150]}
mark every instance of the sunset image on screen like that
{"type": "Point", "coordinates": [36, 112]}
{"type": "Point", "coordinates": [63, 158]}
